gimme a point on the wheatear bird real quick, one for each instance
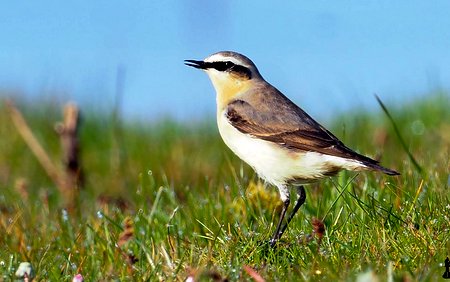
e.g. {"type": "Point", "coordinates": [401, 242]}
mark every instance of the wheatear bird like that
{"type": "Point", "coordinates": [283, 144]}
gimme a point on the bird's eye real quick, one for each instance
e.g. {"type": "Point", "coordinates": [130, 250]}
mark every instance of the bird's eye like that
{"type": "Point", "coordinates": [231, 67]}
{"type": "Point", "coordinates": [223, 66]}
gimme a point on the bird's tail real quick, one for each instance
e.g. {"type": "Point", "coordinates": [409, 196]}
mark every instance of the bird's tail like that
{"type": "Point", "coordinates": [376, 166]}
{"type": "Point", "coordinates": [373, 164]}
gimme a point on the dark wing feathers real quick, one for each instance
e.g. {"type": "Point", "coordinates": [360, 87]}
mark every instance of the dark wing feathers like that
{"type": "Point", "coordinates": [290, 126]}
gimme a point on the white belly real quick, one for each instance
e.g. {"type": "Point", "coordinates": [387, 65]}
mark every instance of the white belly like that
{"type": "Point", "coordinates": [276, 164]}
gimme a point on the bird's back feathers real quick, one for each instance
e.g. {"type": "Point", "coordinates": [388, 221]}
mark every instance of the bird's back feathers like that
{"type": "Point", "coordinates": [288, 126]}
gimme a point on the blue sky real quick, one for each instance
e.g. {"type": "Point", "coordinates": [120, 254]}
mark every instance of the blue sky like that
{"type": "Point", "coordinates": [327, 57]}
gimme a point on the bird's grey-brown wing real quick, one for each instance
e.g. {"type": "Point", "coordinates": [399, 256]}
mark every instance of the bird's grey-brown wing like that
{"type": "Point", "coordinates": [276, 119]}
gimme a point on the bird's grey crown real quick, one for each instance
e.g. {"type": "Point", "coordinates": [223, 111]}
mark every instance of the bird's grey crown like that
{"type": "Point", "coordinates": [234, 57]}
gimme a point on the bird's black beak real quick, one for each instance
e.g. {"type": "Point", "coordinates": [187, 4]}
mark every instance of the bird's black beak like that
{"type": "Point", "coordinates": [196, 64]}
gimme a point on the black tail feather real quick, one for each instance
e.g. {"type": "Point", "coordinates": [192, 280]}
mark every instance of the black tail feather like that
{"type": "Point", "coordinates": [374, 165]}
{"type": "Point", "coordinates": [371, 163]}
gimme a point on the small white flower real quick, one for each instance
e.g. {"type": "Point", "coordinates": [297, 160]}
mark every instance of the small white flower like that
{"type": "Point", "coordinates": [25, 271]}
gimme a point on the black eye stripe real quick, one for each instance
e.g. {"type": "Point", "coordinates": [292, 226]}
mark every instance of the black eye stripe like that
{"type": "Point", "coordinates": [221, 66]}
{"type": "Point", "coordinates": [230, 67]}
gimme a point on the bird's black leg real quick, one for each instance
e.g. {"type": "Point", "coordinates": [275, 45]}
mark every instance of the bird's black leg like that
{"type": "Point", "coordinates": [300, 201]}
{"type": "Point", "coordinates": [277, 234]}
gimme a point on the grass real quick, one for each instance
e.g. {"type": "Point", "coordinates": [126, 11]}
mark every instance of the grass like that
{"type": "Point", "coordinates": [165, 201]}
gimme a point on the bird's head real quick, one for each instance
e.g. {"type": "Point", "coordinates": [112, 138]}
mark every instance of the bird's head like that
{"type": "Point", "coordinates": [230, 72]}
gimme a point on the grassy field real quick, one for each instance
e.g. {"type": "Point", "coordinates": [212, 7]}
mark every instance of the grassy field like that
{"type": "Point", "coordinates": [166, 201]}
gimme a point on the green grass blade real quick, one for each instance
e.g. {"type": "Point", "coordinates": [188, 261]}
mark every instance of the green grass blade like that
{"type": "Point", "coordinates": [399, 135]}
